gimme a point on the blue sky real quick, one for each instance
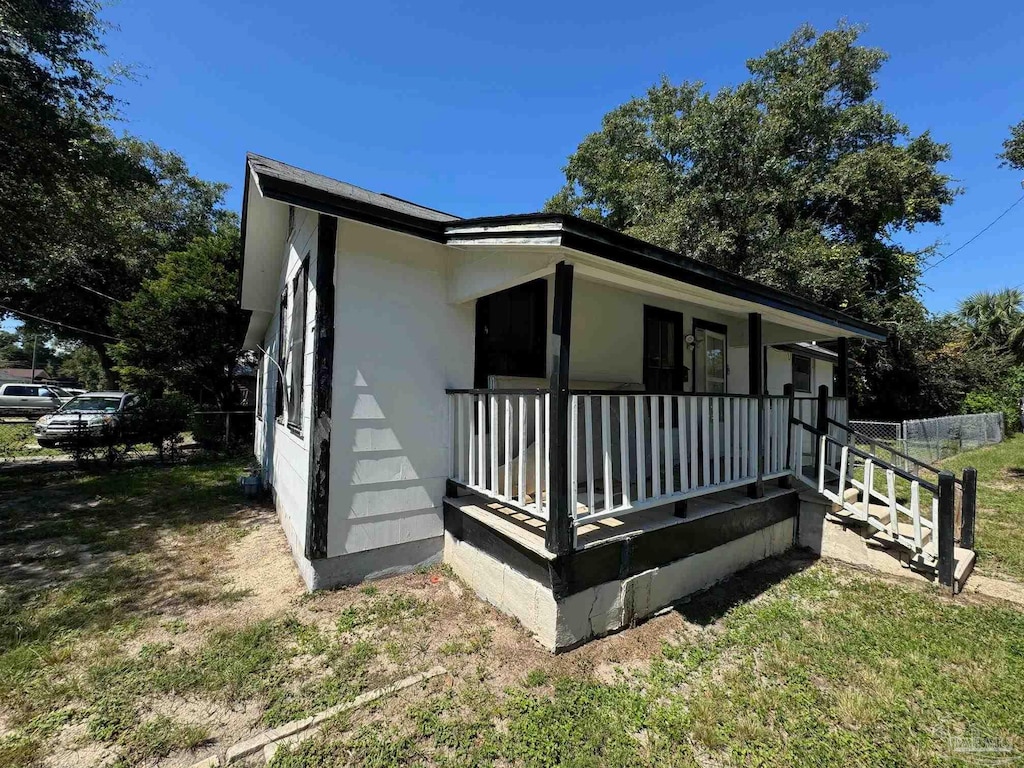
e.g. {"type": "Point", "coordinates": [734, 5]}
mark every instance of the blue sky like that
{"type": "Point", "coordinates": [473, 107]}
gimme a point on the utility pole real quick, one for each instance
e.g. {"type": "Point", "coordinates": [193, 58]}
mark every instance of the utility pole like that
{"type": "Point", "coordinates": [32, 370]}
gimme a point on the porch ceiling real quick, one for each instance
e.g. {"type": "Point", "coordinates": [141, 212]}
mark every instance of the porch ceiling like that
{"type": "Point", "coordinates": [495, 254]}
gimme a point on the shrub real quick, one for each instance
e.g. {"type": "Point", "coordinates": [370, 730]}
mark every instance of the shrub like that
{"type": "Point", "coordinates": [1004, 398]}
{"type": "Point", "coordinates": [161, 421]}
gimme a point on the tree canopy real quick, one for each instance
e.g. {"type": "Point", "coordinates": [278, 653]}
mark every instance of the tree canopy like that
{"type": "Point", "coordinates": [797, 177]}
{"type": "Point", "coordinates": [1013, 148]}
{"type": "Point", "coordinates": [181, 330]}
{"type": "Point", "coordinates": [85, 215]}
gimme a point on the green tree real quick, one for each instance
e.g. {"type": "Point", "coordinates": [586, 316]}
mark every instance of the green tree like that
{"type": "Point", "coordinates": [1013, 148]}
{"type": "Point", "coordinates": [797, 177]}
{"type": "Point", "coordinates": [995, 321]}
{"type": "Point", "coordinates": [25, 343]}
{"type": "Point", "coordinates": [182, 329]}
{"type": "Point", "coordinates": [84, 214]}
{"type": "Point", "coordinates": [83, 365]}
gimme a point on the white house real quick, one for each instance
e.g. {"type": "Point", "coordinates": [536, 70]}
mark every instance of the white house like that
{"type": "Point", "coordinates": [558, 409]}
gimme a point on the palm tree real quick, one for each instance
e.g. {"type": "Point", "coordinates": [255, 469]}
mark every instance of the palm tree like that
{"type": "Point", "coordinates": [996, 320]}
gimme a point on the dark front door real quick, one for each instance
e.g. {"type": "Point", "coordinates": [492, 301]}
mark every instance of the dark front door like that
{"type": "Point", "coordinates": [664, 370]}
{"type": "Point", "coordinates": [511, 333]}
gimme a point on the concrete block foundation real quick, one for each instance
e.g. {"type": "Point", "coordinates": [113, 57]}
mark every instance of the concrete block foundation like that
{"type": "Point", "coordinates": [560, 623]}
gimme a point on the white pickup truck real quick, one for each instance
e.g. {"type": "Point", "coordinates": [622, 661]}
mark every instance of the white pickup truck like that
{"type": "Point", "coordinates": [18, 399]}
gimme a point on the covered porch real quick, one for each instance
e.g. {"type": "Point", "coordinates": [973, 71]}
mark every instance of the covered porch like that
{"type": "Point", "coordinates": [604, 390]}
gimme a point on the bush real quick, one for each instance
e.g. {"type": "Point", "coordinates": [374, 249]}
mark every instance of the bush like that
{"type": "Point", "coordinates": [1004, 398]}
{"type": "Point", "coordinates": [161, 421]}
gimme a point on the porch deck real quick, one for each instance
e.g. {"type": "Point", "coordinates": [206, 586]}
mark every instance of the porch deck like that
{"type": "Point", "coordinates": [529, 531]}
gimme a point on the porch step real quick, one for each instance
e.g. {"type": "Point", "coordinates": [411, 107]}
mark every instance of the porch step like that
{"type": "Point", "coordinates": [880, 513]}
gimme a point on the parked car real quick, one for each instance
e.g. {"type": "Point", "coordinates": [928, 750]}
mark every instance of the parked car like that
{"type": "Point", "coordinates": [88, 418]}
{"type": "Point", "coordinates": [18, 399]}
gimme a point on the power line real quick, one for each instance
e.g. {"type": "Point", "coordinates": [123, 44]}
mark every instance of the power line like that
{"type": "Point", "coordinates": [979, 234]}
{"type": "Point", "coordinates": [100, 293]}
{"type": "Point", "coordinates": [55, 322]}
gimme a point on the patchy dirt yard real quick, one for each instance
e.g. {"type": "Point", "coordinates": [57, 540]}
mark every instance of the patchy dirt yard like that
{"type": "Point", "coordinates": [152, 617]}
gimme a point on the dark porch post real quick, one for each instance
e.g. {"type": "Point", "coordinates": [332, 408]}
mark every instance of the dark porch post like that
{"type": "Point", "coordinates": [559, 537]}
{"type": "Point", "coordinates": [968, 507]}
{"type": "Point", "coordinates": [843, 368]}
{"type": "Point", "coordinates": [946, 565]}
{"type": "Point", "coordinates": [755, 348]}
{"type": "Point", "coordinates": [786, 481]}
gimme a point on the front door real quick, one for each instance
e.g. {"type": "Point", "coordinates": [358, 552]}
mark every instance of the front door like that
{"type": "Point", "coordinates": [664, 370]}
{"type": "Point", "coordinates": [709, 353]}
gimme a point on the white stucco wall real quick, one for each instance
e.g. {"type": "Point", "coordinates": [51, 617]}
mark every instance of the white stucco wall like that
{"type": "Point", "coordinates": [399, 344]}
{"type": "Point", "coordinates": [608, 332]}
{"type": "Point", "coordinates": [780, 372]}
{"type": "Point", "coordinates": [282, 451]}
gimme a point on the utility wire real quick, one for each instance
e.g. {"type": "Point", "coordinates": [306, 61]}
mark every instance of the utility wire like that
{"type": "Point", "coordinates": [99, 293]}
{"type": "Point", "coordinates": [979, 234]}
{"type": "Point", "coordinates": [54, 322]}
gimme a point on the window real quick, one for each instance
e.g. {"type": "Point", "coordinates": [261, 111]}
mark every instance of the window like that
{"type": "Point", "coordinates": [801, 373]}
{"type": "Point", "coordinates": [261, 381]}
{"type": "Point", "coordinates": [281, 359]}
{"type": "Point", "coordinates": [511, 333]}
{"type": "Point", "coordinates": [709, 356]}
{"type": "Point", "coordinates": [663, 351]}
{"type": "Point", "coordinates": [297, 345]}
{"type": "Point", "coordinates": [21, 391]}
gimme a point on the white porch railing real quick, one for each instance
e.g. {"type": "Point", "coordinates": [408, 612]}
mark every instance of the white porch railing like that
{"type": "Point", "coordinates": [625, 451]}
{"type": "Point", "coordinates": [906, 509]}
{"type": "Point", "coordinates": [499, 445]}
{"type": "Point", "coordinates": [636, 451]}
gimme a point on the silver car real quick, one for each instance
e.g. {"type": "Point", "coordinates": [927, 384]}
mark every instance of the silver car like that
{"type": "Point", "coordinates": [18, 399]}
{"type": "Point", "coordinates": [86, 418]}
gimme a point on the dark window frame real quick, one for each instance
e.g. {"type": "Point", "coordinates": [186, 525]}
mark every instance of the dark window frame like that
{"type": "Point", "coordinates": [793, 372]}
{"type": "Point", "coordinates": [297, 346]}
{"type": "Point", "coordinates": [281, 359]}
{"type": "Point", "coordinates": [681, 372]}
{"type": "Point", "coordinates": [530, 364]}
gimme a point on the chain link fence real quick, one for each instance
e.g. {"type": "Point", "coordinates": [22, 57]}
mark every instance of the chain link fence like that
{"type": "Point", "coordinates": [934, 439]}
{"type": "Point", "coordinates": [86, 440]}
{"type": "Point", "coordinates": [931, 440]}
{"type": "Point", "coordinates": [879, 430]}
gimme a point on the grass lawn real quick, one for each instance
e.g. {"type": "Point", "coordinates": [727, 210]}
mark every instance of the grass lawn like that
{"type": "Point", "coordinates": [1000, 522]}
{"type": "Point", "coordinates": [150, 616]}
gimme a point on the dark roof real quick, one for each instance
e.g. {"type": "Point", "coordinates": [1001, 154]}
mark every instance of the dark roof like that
{"type": "Point", "coordinates": [288, 184]}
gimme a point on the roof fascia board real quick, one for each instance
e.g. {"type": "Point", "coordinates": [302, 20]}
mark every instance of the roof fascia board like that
{"type": "Point", "coordinates": [294, 193]}
{"type": "Point", "coordinates": [597, 240]}
{"type": "Point", "coordinates": [636, 253]}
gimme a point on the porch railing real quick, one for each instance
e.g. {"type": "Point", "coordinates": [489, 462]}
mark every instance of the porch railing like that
{"type": "Point", "coordinates": [635, 451]}
{"type": "Point", "coordinates": [625, 451]}
{"type": "Point", "coordinates": [499, 442]}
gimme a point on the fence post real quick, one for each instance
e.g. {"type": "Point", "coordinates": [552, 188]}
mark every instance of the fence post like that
{"type": "Point", "coordinates": [968, 507]}
{"type": "Point", "coordinates": [946, 510]}
{"type": "Point", "coordinates": [822, 426]}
